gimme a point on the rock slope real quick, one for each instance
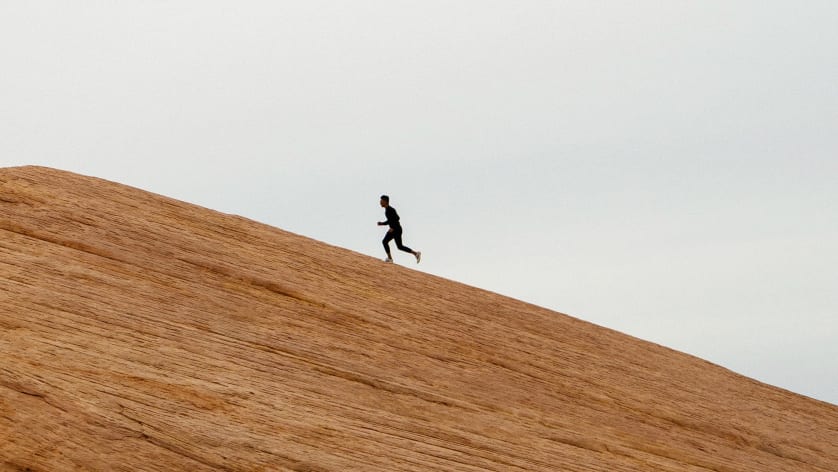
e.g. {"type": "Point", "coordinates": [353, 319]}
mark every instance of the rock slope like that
{"type": "Point", "coordinates": [138, 332]}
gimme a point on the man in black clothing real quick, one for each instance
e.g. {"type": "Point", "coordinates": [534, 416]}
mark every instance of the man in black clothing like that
{"type": "Point", "coordinates": [395, 231]}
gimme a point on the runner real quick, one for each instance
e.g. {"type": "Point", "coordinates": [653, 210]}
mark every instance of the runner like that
{"type": "Point", "coordinates": [395, 231]}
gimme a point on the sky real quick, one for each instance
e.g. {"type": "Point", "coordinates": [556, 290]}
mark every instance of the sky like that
{"type": "Point", "coordinates": [663, 168]}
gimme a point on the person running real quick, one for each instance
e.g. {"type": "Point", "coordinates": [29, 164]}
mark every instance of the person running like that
{"type": "Point", "coordinates": [395, 231]}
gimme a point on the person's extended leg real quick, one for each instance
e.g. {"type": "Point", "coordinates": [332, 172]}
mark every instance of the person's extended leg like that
{"type": "Point", "coordinates": [386, 241]}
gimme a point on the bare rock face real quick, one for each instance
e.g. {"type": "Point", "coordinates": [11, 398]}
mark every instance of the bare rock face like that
{"type": "Point", "coordinates": [142, 333]}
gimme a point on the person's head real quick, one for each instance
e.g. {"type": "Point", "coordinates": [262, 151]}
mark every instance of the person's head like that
{"type": "Point", "coordinates": [385, 201]}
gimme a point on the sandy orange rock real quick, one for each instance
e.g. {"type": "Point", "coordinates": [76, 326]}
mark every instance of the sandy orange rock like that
{"type": "Point", "coordinates": [138, 332]}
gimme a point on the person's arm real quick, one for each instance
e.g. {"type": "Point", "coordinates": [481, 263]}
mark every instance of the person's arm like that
{"type": "Point", "coordinates": [392, 217]}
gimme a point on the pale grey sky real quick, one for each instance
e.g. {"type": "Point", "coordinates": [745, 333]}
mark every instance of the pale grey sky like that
{"type": "Point", "coordinates": [664, 168]}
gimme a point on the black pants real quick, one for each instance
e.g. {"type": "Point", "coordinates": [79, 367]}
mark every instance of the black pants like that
{"type": "Point", "coordinates": [397, 235]}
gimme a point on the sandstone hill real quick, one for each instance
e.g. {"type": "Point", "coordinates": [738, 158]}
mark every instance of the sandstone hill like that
{"type": "Point", "coordinates": [142, 333]}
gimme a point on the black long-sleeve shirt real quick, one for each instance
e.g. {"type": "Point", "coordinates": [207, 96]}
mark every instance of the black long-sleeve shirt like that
{"type": "Point", "coordinates": [392, 218]}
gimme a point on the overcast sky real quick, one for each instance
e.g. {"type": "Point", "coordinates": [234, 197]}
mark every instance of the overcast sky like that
{"type": "Point", "coordinates": [668, 169]}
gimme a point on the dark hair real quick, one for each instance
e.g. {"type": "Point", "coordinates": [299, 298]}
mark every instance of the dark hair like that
{"type": "Point", "coordinates": [385, 198]}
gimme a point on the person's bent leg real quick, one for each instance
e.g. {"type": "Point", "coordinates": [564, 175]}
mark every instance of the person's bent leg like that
{"type": "Point", "coordinates": [402, 247]}
{"type": "Point", "coordinates": [416, 254]}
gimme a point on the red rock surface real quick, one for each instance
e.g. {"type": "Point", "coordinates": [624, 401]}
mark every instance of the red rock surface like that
{"type": "Point", "coordinates": [142, 333]}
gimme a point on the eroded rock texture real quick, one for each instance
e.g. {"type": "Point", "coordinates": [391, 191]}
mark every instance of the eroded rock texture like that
{"type": "Point", "coordinates": [142, 333]}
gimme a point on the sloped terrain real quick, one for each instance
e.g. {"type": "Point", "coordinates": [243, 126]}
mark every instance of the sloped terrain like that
{"type": "Point", "coordinates": [142, 333]}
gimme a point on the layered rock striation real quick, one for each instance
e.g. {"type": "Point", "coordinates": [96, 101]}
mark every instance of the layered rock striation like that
{"type": "Point", "coordinates": [138, 332]}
